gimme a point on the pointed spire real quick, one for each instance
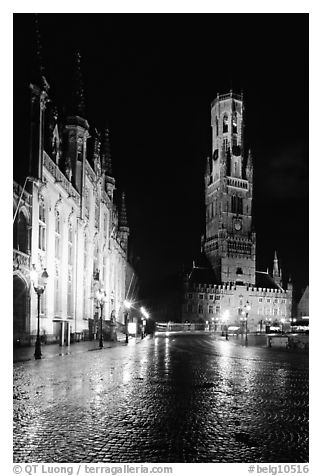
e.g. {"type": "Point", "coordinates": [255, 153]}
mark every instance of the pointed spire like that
{"type": "Point", "coordinates": [290, 284]}
{"type": "Point", "coordinates": [123, 214]}
{"type": "Point", "coordinates": [38, 72]}
{"type": "Point", "coordinates": [250, 159]}
{"type": "Point", "coordinates": [77, 96]}
{"type": "Point", "coordinates": [106, 152]}
{"type": "Point", "coordinates": [275, 265]}
{"type": "Point", "coordinates": [249, 166]}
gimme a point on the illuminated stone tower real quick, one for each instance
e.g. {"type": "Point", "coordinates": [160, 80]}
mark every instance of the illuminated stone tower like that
{"type": "Point", "coordinates": [230, 242]}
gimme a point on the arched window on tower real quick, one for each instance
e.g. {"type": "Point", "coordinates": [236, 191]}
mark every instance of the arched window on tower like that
{"type": "Point", "coordinates": [225, 124]}
{"type": "Point", "coordinates": [240, 206]}
{"type": "Point", "coordinates": [233, 204]}
{"type": "Point", "coordinates": [235, 123]}
{"type": "Point", "coordinates": [217, 127]}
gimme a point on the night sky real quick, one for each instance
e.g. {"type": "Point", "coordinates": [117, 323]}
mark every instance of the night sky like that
{"type": "Point", "coordinates": [151, 79]}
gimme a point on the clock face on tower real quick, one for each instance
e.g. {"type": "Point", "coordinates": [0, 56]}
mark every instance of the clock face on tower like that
{"type": "Point", "coordinates": [237, 225]}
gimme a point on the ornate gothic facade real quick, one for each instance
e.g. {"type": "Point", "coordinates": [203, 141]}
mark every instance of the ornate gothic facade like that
{"type": "Point", "coordinates": [67, 220]}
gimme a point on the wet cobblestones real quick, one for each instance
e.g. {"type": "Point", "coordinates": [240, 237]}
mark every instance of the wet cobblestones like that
{"type": "Point", "coordinates": [176, 399]}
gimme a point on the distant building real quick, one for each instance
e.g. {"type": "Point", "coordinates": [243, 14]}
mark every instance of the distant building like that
{"type": "Point", "coordinates": [226, 289]}
{"type": "Point", "coordinates": [67, 221]}
{"type": "Point", "coordinates": [303, 305]}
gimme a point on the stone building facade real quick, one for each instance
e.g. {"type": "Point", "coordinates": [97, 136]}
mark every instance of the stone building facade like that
{"type": "Point", "coordinates": [226, 289]}
{"type": "Point", "coordinates": [67, 220]}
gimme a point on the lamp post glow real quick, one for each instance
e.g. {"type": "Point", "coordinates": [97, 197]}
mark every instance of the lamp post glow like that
{"type": "Point", "coordinates": [101, 296]}
{"type": "Point", "coordinates": [282, 323]}
{"type": "Point", "coordinates": [39, 285]}
{"type": "Point", "coordinates": [146, 315]}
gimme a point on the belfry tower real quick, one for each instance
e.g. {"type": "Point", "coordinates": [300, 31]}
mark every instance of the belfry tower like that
{"type": "Point", "coordinates": [230, 241]}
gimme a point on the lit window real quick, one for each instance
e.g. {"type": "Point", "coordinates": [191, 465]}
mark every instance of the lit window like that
{"type": "Point", "coordinates": [235, 123]}
{"type": "Point", "coordinates": [225, 124]}
{"type": "Point", "coordinates": [42, 225]}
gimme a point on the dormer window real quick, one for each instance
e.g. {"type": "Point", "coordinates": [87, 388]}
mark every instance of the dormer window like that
{"type": "Point", "coordinates": [225, 124]}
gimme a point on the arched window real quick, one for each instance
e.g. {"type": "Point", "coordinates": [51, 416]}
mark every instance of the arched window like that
{"type": "Point", "coordinates": [57, 235]}
{"type": "Point", "coordinates": [225, 124]}
{"type": "Point", "coordinates": [233, 204]}
{"type": "Point", "coordinates": [97, 212]}
{"type": "Point", "coordinates": [70, 244]}
{"type": "Point", "coordinates": [22, 233]}
{"type": "Point", "coordinates": [57, 291]}
{"type": "Point", "coordinates": [95, 262]}
{"type": "Point", "coordinates": [57, 284]}
{"type": "Point", "coordinates": [42, 225]}
{"type": "Point", "coordinates": [235, 123]}
{"type": "Point", "coordinates": [85, 287]}
{"type": "Point", "coordinates": [70, 270]}
{"type": "Point", "coordinates": [240, 206]}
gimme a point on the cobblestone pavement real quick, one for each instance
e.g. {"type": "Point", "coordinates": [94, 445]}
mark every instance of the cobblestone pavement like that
{"type": "Point", "coordinates": [175, 399]}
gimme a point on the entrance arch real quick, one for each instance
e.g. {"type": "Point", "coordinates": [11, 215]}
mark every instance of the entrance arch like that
{"type": "Point", "coordinates": [20, 307]}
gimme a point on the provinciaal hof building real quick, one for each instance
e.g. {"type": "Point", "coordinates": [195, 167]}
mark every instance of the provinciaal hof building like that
{"type": "Point", "coordinates": [224, 289]}
{"type": "Point", "coordinates": [68, 221]}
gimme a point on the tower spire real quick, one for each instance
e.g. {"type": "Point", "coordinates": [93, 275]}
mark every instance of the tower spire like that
{"type": "Point", "coordinates": [38, 67]}
{"type": "Point", "coordinates": [275, 265]}
{"type": "Point", "coordinates": [77, 96]}
{"type": "Point", "coordinates": [249, 166]}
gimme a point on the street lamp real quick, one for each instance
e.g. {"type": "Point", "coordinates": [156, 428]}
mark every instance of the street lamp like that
{"type": "Point", "coordinates": [127, 305]}
{"type": "Point", "coordinates": [225, 319]}
{"type": "Point", "coordinates": [39, 285]}
{"type": "Point", "coordinates": [247, 307]}
{"type": "Point", "coordinates": [101, 297]}
{"type": "Point", "coordinates": [244, 318]}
